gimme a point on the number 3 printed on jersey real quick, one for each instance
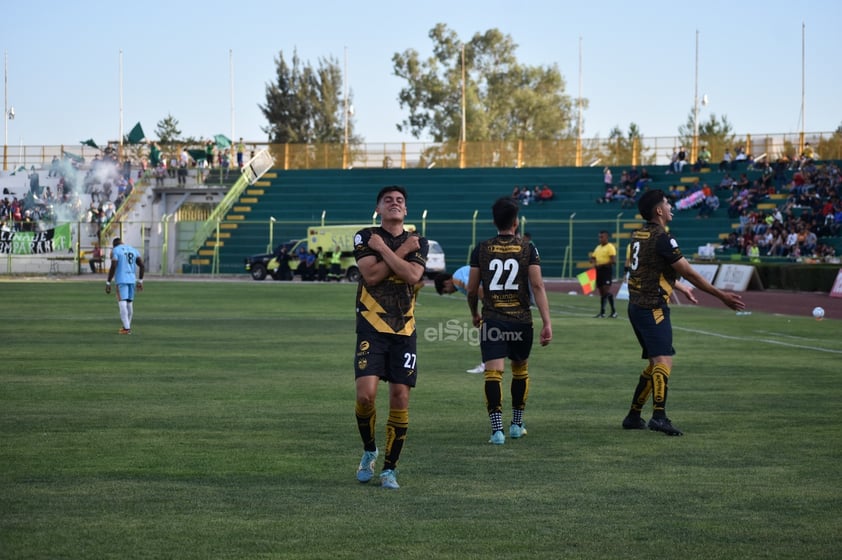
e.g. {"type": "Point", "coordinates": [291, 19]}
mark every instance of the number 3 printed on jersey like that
{"type": "Point", "coordinates": [634, 255]}
{"type": "Point", "coordinates": [509, 268]}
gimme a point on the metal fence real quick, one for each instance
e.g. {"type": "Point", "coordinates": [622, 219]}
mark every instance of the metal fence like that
{"type": "Point", "coordinates": [520, 153]}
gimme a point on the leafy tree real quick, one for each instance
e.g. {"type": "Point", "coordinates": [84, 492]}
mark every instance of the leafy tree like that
{"type": "Point", "coordinates": [621, 147]}
{"type": "Point", "coordinates": [715, 133]}
{"type": "Point", "coordinates": [504, 100]}
{"type": "Point", "coordinates": [830, 148]}
{"type": "Point", "coordinates": [305, 104]}
{"type": "Point", "coordinates": [167, 130]}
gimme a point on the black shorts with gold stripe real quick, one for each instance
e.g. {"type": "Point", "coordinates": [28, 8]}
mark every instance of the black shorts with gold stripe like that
{"type": "Point", "coordinates": [653, 330]}
{"type": "Point", "coordinates": [391, 357]}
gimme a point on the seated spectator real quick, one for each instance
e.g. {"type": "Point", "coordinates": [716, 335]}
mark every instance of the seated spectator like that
{"type": "Point", "coordinates": [95, 262]}
{"type": "Point", "coordinates": [644, 180]}
{"type": "Point", "coordinates": [703, 160]}
{"type": "Point", "coordinates": [633, 176]}
{"type": "Point", "coordinates": [546, 194]}
{"type": "Point", "coordinates": [809, 243]}
{"type": "Point", "coordinates": [709, 207]}
{"type": "Point", "coordinates": [727, 182]}
{"type": "Point", "coordinates": [678, 160]}
{"type": "Point", "coordinates": [628, 197]}
{"type": "Point", "coordinates": [609, 195]}
{"type": "Point", "coordinates": [727, 161]}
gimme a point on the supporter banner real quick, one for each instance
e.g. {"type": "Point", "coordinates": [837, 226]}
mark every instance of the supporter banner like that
{"type": "Point", "coordinates": [53, 240]}
{"type": "Point", "coordinates": [836, 291]}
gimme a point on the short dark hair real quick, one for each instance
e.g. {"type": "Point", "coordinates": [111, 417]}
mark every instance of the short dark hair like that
{"type": "Point", "coordinates": [391, 188]}
{"type": "Point", "coordinates": [117, 241]}
{"type": "Point", "coordinates": [505, 212]}
{"type": "Point", "coordinates": [647, 203]}
{"type": "Point", "coordinates": [440, 279]}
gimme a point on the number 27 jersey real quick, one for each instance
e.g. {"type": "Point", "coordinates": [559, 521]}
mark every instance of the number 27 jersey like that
{"type": "Point", "coordinates": [503, 263]}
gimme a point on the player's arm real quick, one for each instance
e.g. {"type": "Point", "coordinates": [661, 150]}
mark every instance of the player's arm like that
{"type": "Point", "coordinates": [536, 280]}
{"type": "Point", "coordinates": [687, 290]}
{"type": "Point", "coordinates": [473, 296]}
{"type": "Point", "coordinates": [111, 270]}
{"type": "Point", "coordinates": [141, 269]}
{"type": "Point", "coordinates": [376, 270]}
{"type": "Point", "coordinates": [730, 299]}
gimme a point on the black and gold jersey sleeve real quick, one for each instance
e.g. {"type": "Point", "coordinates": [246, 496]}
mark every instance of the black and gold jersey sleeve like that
{"type": "Point", "coordinates": [387, 307]}
{"type": "Point", "coordinates": [651, 277]}
{"type": "Point", "coordinates": [503, 264]}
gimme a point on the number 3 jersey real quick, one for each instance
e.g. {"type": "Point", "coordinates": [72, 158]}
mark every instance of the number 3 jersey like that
{"type": "Point", "coordinates": [387, 307]}
{"type": "Point", "coordinates": [652, 277]}
{"type": "Point", "coordinates": [503, 263]}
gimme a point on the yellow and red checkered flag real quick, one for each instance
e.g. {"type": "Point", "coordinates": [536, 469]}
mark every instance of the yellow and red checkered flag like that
{"type": "Point", "coordinates": [588, 280]}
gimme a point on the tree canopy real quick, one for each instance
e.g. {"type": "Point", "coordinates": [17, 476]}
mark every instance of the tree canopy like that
{"type": "Point", "coordinates": [504, 99]}
{"type": "Point", "coordinates": [305, 104]}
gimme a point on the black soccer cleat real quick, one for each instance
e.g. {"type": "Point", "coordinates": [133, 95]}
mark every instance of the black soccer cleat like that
{"type": "Point", "coordinates": [634, 423]}
{"type": "Point", "coordinates": [664, 425]}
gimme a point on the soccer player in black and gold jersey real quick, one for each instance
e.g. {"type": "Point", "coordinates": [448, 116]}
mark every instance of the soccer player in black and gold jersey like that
{"type": "Point", "coordinates": [391, 263]}
{"type": "Point", "coordinates": [654, 265]}
{"type": "Point", "coordinates": [506, 266]}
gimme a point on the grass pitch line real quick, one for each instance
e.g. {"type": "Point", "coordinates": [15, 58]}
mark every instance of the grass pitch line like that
{"type": "Point", "coordinates": [763, 340]}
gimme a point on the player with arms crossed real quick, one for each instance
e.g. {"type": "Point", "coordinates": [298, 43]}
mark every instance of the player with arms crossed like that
{"type": "Point", "coordinates": [124, 260]}
{"type": "Point", "coordinates": [505, 266]}
{"type": "Point", "coordinates": [655, 263]}
{"type": "Point", "coordinates": [391, 263]}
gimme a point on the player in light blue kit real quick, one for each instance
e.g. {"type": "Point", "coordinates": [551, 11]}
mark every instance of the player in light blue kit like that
{"type": "Point", "coordinates": [124, 260]}
{"type": "Point", "coordinates": [457, 282]}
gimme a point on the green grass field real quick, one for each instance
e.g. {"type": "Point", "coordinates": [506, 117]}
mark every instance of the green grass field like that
{"type": "Point", "coordinates": [224, 428]}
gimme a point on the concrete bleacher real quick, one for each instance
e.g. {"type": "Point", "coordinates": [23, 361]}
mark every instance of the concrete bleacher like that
{"type": "Point", "coordinates": [449, 197]}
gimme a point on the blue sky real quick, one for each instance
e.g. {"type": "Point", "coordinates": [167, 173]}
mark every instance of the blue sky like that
{"type": "Point", "coordinates": [637, 61]}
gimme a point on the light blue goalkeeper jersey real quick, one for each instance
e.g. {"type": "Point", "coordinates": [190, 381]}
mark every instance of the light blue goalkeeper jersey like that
{"type": "Point", "coordinates": [126, 257]}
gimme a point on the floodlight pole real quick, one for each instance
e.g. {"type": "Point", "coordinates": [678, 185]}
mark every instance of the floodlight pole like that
{"type": "Point", "coordinates": [5, 109]}
{"type": "Point", "coordinates": [695, 148]}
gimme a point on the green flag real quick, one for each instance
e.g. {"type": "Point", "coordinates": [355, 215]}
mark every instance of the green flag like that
{"type": "Point", "coordinates": [89, 142]}
{"type": "Point", "coordinates": [74, 157]}
{"type": "Point", "coordinates": [198, 155]}
{"type": "Point", "coordinates": [222, 141]}
{"type": "Point", "coordinates": [136, 136]}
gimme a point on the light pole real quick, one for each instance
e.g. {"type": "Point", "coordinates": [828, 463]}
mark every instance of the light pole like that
{"type": "Point", "coordinates": [694, 153]}
{"type": "Point", "coordinates": [8, 112]}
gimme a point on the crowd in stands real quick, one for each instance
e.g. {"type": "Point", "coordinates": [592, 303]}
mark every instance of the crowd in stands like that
{"type": "Point", "coordinates": [107, 183]}
{"type": "Point", "coordinates": [810, 213]}
{"type": "Point", "coordinates": [632, 183]}
{"type": "Point", "coordinates": [106, 180]}
{"type": "Point", "coordinates": [526, 196]}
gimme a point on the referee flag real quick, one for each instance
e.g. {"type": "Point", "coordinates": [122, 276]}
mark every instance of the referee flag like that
{"type": "Point", "coordinates": [588, 280]}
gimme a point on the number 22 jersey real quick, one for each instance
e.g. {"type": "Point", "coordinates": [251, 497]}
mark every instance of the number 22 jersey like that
{"type": "Point", "coordinates": [503, 263]}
